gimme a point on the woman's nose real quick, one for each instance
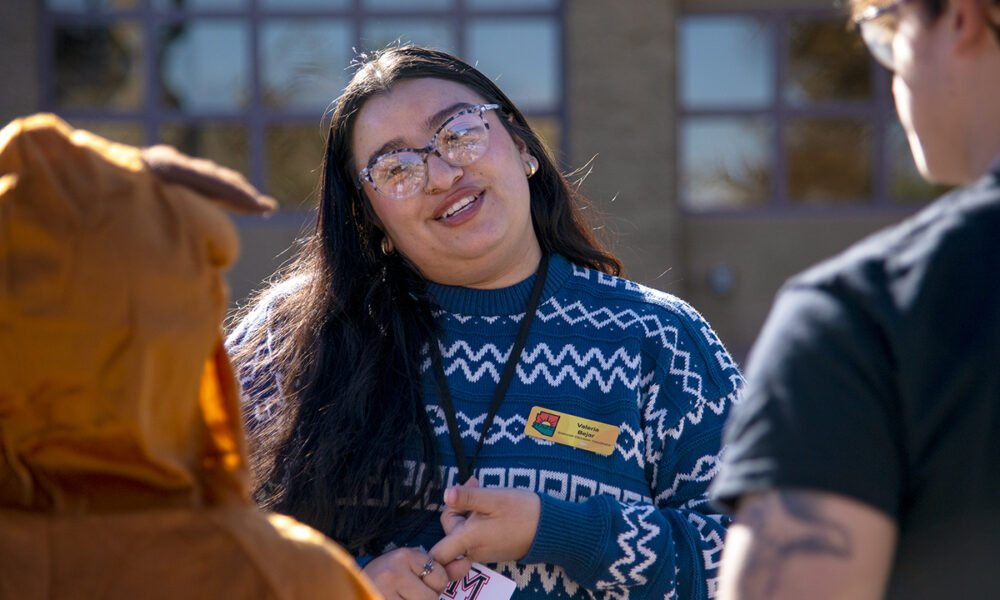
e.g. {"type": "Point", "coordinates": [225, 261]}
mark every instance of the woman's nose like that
{"type": "Point", "coordinates": [441, 175]}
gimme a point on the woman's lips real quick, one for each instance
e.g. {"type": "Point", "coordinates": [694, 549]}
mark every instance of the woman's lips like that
{"type": "Point", "coordinates": [460, 207]}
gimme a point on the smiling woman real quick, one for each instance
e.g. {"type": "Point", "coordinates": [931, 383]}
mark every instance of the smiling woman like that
{"type": "Point", "coordinates": [451, 292]}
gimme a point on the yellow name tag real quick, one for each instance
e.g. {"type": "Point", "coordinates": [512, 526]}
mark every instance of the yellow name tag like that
{"type": "Point", "coordinates": [577, 432]}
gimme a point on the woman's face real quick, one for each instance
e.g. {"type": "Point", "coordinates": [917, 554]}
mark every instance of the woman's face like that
{"type": "Point", "coordinates": [468, 226]}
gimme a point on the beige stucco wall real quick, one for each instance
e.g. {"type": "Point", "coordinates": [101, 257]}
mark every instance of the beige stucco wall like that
{"type": "Point", "coordinates": [620, 96]}
{"type": "Point", "coordinates": [759, 253]}
{"type": "Point", "coordinates": [19, 66]}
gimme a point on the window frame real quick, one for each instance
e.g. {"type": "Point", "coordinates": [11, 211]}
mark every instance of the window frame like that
{"type": "Point", "coordinates": [257, 116]}
{"type": "Point", "coordinates": [878, 112]}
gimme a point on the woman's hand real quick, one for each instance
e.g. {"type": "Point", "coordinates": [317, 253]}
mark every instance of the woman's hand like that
{"type": "Point", "coordinates": [396, 574]}
{"type": "Point", "coordinates": [487, 524]}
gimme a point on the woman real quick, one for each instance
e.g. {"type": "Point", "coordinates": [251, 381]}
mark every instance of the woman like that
{"type": "Point", "coordinates": [451, 288]}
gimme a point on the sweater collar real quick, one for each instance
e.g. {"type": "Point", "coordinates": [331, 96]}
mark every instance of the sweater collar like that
{"type": "Point", "coordinates": [501, 301]}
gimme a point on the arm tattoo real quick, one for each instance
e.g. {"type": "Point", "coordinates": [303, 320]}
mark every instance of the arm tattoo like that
{"type": "Point", "coordinates": [787, 525]}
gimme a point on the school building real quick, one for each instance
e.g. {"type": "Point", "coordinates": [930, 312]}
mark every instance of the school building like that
{"type": "Point", "coordinates": [727, 144]}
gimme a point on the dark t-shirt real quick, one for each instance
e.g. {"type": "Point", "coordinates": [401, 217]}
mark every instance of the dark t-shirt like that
{"type": "Point", "coordinates": [877, 376]}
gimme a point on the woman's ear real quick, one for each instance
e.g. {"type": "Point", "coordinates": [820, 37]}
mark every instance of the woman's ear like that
{"type": "Point", "coordinates": [971, 23]}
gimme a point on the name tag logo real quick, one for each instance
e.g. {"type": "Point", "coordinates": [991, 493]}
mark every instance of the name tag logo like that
{"type": "Point", "coordinates": [545, 423]}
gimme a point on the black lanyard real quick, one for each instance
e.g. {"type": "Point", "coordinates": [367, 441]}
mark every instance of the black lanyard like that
{"type": "Point", "coordinates": [465, 467]}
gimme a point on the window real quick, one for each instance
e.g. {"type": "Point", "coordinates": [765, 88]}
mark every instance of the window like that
{"type": "Point", "coordinates": [246, 82]}
{"type": "Point", "coordinates": [786, 110]}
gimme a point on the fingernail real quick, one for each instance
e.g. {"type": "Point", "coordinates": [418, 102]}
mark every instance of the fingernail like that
{"type": "Point", "coordinates": [450, 495]}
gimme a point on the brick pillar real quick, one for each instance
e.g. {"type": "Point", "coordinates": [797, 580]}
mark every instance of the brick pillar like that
{"type": "Point", "coordinates": [621, 73]}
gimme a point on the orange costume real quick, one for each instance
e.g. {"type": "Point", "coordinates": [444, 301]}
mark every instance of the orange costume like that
{"type": "Point", "coordinates": [122, 458]}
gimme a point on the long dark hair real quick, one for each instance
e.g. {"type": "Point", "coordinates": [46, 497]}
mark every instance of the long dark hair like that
{"type": "Point", "coordinates": [346, 335]}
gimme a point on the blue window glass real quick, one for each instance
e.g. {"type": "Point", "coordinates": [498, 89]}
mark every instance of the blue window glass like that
{"type": "Point", "coordinates": [414, 5]}
{"type": "Point", "coordinates": [303, 4]}
{"type": "Point", "coordinates": [726, 61]}
{"type": "Point", "coordinates": [435, 33]}
{"type": "Point", "coordinates": [829, 160]}
{"type": "Point", "coordinates": [302, 62]}
{"type": "Point", "coordinates": [521, 56]}
{"type": "Point", "coordinates": [200, 4]}
{"type": "Point", "coordinates": [205, 65]}
{"type": "Point", "coordinates": [726, 162]}
{"type": "Point", "coordinates": [98, 66]}
{"type": "Point", "coordinates": [826, 63]}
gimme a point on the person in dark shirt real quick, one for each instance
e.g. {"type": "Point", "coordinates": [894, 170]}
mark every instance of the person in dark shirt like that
{"type": "Point", "coordinates": [864, 458]}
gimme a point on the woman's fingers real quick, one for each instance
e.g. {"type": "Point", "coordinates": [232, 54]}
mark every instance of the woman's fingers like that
{"type": "Point", "coordinates": [457, 569]}
{"type": "Point", "coordinates": [407, 573]}
{"type": "Point", "coordinates": [452, 518]}
{"type": "Point", "coordinates": [433, 575]}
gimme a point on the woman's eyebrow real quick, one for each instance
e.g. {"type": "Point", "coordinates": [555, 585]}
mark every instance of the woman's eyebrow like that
{"type": "Point", "coordinates": [444, 113]}
{"type": "Point", "coordinates": [397, 143]}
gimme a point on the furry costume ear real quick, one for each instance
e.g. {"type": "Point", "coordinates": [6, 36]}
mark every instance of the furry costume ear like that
{"type": "Point", "coordinates": [224, 185]}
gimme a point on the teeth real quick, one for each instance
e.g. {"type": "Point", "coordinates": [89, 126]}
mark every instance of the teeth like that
{"type": "Point", "coordinates": [454, 208]}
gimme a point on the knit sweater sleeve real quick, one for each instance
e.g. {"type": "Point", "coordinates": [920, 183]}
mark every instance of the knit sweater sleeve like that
{"type": "Point", "coordinates": [252, 342]}
{"type": "Point", "coordinates": [671, 546]}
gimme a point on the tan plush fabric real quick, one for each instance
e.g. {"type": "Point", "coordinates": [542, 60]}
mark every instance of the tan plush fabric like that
{"type": "Point", "coordinates": [122, 459]}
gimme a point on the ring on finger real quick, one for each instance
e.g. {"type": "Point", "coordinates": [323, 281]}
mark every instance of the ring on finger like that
{"type": "Point", "coordinates": [428, 567]}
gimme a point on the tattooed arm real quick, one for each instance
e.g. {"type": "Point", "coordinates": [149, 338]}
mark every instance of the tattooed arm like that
{"type": "Point", "coordinates": [805, 544]}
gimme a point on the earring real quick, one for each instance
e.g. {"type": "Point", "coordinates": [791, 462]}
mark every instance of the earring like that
{"type": "Point", "coordinates": [386, 246]}
{"type": "Point", "coordinates": [531, 166]}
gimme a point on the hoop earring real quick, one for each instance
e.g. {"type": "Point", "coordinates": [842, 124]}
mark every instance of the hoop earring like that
{"type": "Point", "coordinates": [386, 246]}
{"type": "Point", "coordinates": [531, 166]}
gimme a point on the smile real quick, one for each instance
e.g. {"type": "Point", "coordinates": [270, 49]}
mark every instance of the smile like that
{"type": "Point", "coordinates": [460, 205]}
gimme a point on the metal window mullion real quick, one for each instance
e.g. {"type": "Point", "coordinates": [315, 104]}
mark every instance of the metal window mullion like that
{"type": "Point", "coordinates": [150, 110]}
{"type": "Point", "coordinates": [460, 23]}
{"type": "Point", "coordinates": [255, 121]}
{"type": "Point", "coordinates": [357, 25]}
{"type": "Point", "coordinates": [779, 185]}
{"type": "Point", "coordinates": [564, 73]}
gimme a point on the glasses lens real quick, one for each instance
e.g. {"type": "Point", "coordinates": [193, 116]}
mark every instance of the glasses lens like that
{"type": "Point", "coordinates": [878, 38]}
{"type": "Point", "coordinates": [463, 140]}
{"type": "Point", "coordinates": [400, 174]}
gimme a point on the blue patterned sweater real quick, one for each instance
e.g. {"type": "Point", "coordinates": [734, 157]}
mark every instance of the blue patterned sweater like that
{"type": "Point", "coordinates": [635, 524]}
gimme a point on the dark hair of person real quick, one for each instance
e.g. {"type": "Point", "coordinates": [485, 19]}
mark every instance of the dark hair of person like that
{"type": "Point", "coordinates": [347, 334]}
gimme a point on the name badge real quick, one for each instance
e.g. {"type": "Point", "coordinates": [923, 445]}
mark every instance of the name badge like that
{"type": "Point", "coordinates": [481, 583]}
{"type": "Point", "coordinates": [577, 432]}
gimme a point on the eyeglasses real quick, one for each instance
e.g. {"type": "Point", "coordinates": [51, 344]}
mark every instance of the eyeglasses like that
{"type": "Point", "coordinates": [877, 30]}
{"type": "Point", "coordinates": [460, 141]}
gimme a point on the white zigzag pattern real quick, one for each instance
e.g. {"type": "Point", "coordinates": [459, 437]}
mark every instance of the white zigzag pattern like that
{"type": "Point", "coordinates": [605, 279]}
{"type": "Point", "coordinates": [697, 413]}
{"type": "Point", "coordinates": [655, 429]}
{"type": "Point", "coordinates": [652, 326]}
{"type": "Point", "coordinates": [704, 470]}
{"type": "Point", "coordinates": [635, 518]}
{"type": "Point", "coordinates": [511, 429]}
{"type": "Point", "coordinates": [590, 376]}
{"type": "Point", "coordinates": [589, 368]}
{"type": "Point", "coordinates": [549, 577]}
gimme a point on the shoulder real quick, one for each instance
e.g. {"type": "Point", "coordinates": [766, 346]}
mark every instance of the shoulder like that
{"type": "Point", "coordinates": [628, 302]}
{"type": "Point", "coordinates": [258, 316]}
{"type": "Point", "coordinates": [964, 223]}
{"type": "Point", "coordinates": [664, 320]}
{"type": "Point", "coordinates": [298, 561]}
